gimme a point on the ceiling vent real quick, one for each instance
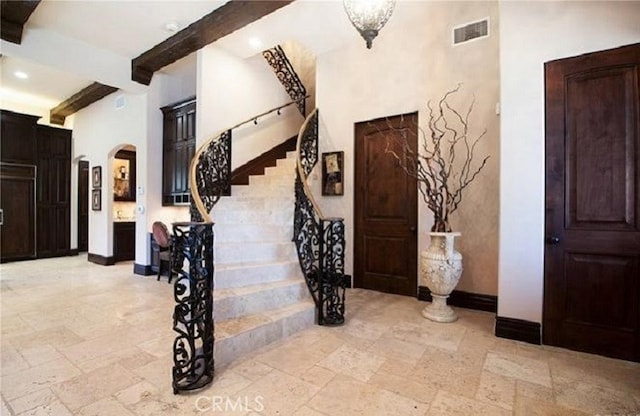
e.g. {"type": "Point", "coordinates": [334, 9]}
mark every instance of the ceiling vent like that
{"type": "Point", "coordinates": [470, 31]}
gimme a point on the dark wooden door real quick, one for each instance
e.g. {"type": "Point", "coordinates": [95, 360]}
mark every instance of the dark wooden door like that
{"type": "Point", "coordinates": [17, 212]}
{"type": "Point", "coordinates": [53, 191]}
{"type": "Point", "coordinates": [386, 219]}
{"type": "Point", "coordinates": [83, 206]}
{"type": "Point", "coordinates": [592, 252]}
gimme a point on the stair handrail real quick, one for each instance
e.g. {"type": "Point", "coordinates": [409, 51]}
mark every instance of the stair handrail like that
{"type": "Point", "coordinates": [320, 241]}
{"type": "Point", "coordinates": [215, 177]}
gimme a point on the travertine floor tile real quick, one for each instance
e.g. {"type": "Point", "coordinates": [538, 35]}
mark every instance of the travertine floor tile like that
{"type": "Point", "coordinates": [136, 393]}
{"type": "Point", "coordinates": [280, 393]}
{"type": "Point", "coordinates": [50, 409]}
{"type": "Point", "coordinates": [305, 411]}
{"type": "Point", "coordinates": [531, 407]}
{"type": "Point", "coordinates": [404, 387]}
{"type": "Point", "coordinates": [96, 385]}
{"type": "Point", "coordinates": [591, 398]}
{"type": "Point", "coordinates": [522, 368]}
{"type": "Point", "coordinates": [497, 390]}
{"type": "Point", "coordinates": [358, 364]}
{"type": "Point", "coordinates": [446, 403]}
{"type": "Point", "coordinates": [30, 401]}
{"type": "Point", "coordinates": [108, 406]}
{"type": "Point", "coordinates": [36, 378]}
{"type": "Point", "coordinates": [318, 376]}
{"type": "Point", "coordinates": [347, 396]}
{"type": "Point", "coordinates": [454, 372]}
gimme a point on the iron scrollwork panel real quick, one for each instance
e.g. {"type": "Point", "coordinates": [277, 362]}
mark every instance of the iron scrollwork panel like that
{"type": "Point", "coordinates": [333, 284]}
{"type": "Point", "coordinates": [213, 173]}
{"type": "Point", "coordinates": [277, 59]}
{"type": "Point", "coordinates": [193, 313]}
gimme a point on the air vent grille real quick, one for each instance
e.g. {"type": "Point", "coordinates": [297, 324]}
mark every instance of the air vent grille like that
{"type": "Point", "coordinates": [471, 31]}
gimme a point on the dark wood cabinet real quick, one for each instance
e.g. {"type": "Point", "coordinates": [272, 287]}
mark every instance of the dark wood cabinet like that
{"type": "Point", "coordinates": [17, 199]}
{"type": "Point", "coordinates": [124, 181]}
{"type": "Point", "coordinates": [179, 145]}
{"type": "Point", "coordinates": [124, 241]}
{"type": "Point", "coordinates": [18, 138]}
{"type": "Point", "coordinates": [36, 181]}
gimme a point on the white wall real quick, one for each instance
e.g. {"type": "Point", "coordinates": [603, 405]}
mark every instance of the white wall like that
{"type": "Point", "coordinates": [412, 61]}
{"type": "Point", "coordinates": [100, 130]}
{"type": "Point", "coordinates": [232, 90]}
{"type": "Point", "coordinates": [532, 33]}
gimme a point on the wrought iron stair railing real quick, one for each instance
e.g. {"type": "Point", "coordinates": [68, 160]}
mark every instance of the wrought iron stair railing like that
{"type": "Point", "coordinates": [320, 241]}
{"type": "Point", "coordinates": [287, 75]}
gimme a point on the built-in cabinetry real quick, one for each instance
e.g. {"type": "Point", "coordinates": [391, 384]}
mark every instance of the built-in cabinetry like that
{"type": "Point", "coordinates": [124, 176]}
{"type": "Point", "coordinates": [35, 176]}
{"type": "Point", "coordinates": [124, 241]}
{"type": "Point", "coordinates": [179, 144]}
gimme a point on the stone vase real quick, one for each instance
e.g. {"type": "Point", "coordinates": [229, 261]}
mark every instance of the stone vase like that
{"type": "Point", "coordinates": [440, 271]}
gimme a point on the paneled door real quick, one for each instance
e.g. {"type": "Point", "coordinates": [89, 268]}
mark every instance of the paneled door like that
{"type": "Point", "coordinates": [386, 217]}
{"type": "Point", "coordinates": [592, 225]}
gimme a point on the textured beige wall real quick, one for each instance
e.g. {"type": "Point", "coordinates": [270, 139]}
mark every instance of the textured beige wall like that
{"type": "Point", "coordinates": [413, 60]}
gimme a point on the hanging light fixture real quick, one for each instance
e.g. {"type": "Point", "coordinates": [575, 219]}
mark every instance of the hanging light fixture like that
{"type": "Point", "coordinates": [369, 16]}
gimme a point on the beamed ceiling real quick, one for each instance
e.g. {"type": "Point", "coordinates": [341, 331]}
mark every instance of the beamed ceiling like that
{"type": "Point", "coordinates": [77, 52]}
{"type": "Point", "coordinates": [220, 22]}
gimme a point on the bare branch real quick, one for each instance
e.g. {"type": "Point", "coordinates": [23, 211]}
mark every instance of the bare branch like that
{"type": "Point", "coordinates": [441, 178]}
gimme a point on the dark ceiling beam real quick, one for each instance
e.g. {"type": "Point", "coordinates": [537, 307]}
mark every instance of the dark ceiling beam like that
{"type": "Point", "coordinates": [228, 18]}
{"type": "Point", "coordinates": [13, 15]}
{"type": "Point", "coordinates": [78, 101]}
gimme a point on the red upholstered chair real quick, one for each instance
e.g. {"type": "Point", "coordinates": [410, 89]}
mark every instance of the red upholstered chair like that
{"type": "Point", "coordinates": [164, 241]}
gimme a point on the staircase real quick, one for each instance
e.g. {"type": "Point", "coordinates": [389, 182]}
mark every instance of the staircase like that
{"type": "Point", "coordinates": [259, 294]}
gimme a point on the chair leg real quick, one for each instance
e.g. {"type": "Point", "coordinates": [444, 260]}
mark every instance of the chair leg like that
{"type": "Point", "coordinates": [159, 269]}
{"type": "Point", "coordinates": [170, 270]}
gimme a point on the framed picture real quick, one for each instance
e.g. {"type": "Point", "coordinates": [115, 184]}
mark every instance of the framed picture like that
{"type": "Point", "coordinates": [96, 199]}
{"type": "Point", "coordinates": [332, 177]}
{"type": "Point", "coordinates": [96, 176]}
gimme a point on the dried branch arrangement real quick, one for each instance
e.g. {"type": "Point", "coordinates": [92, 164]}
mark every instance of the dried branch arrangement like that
{"type": "Point", "coordinates": [444, 166]}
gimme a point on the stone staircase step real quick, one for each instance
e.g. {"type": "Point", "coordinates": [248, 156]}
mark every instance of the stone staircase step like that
{"type": "Point", "coordinates": [253, 232]}
{"type": "Point", "coordinates": [255, 252]}
{"type": "Point", "coordinates": [254, 202]}
{"type": "Point", "coordinates": [239, 336]}
{"type": "Point", "coordinates": [271, 190]}
{"type": "Point", "coordinates": [237, 275]}
{"type": "Point", "coordinates": [272, 216]}
{"type": "Point", "coordinates": [232, 303]}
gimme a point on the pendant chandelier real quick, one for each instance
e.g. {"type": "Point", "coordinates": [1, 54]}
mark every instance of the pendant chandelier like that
{"type": "Point", "coordinates": [369, 16]}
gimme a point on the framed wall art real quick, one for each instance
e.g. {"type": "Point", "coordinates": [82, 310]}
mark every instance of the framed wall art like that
{"type": "Point", "coordinates": [96, 176]}
{"type": "Point", "coordinates": [332, 176]}
{"type": "Point", "coordinates": [96, 199]}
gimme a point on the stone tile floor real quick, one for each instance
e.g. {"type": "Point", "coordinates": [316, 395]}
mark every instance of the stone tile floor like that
{"type": "Point", "coordinates": [82, 339]}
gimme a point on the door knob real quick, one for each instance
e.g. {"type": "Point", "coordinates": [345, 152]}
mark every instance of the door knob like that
{"type": "Point", "coordinates": [553, 240]}
{"type": "Point", "coordinates": [412, 229]}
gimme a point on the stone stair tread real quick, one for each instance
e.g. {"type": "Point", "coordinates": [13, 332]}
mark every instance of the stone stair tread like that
{"type": "Point", "coordinates": [231, 327]}
{"type": "Point", "coordinates": [257, 264]}
{"type": "Point", "coordinates": [253, 288]}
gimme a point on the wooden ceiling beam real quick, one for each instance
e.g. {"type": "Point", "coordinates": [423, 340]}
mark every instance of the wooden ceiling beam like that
{"type": "Point", "coordinates": [222, 21]}
{"type": "Point", "coordinates": [13, 15]}
{"type": "Point", "coordinates": [78, 101]}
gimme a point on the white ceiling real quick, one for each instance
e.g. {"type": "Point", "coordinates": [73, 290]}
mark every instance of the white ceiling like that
{"type": "Point", "coordinates": [68, 44]}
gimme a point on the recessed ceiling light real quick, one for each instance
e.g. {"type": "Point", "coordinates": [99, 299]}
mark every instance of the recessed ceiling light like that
{"type": "Point", "coordinates": [171, 27]}
{"type": "Point", "coordinates": [21, 75]}
{"type": "Point", "coordinates": [255, 42]}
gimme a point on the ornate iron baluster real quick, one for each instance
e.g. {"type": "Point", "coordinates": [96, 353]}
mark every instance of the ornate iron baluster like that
{"type": "Point", "coordinates": [288, 77]}
{"type": "Point", "coordinates": [193, 313]}
{"type": "Point", "coordinates": [319, 242]}
{"type": "Point", "coordinates": [213, 173]}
